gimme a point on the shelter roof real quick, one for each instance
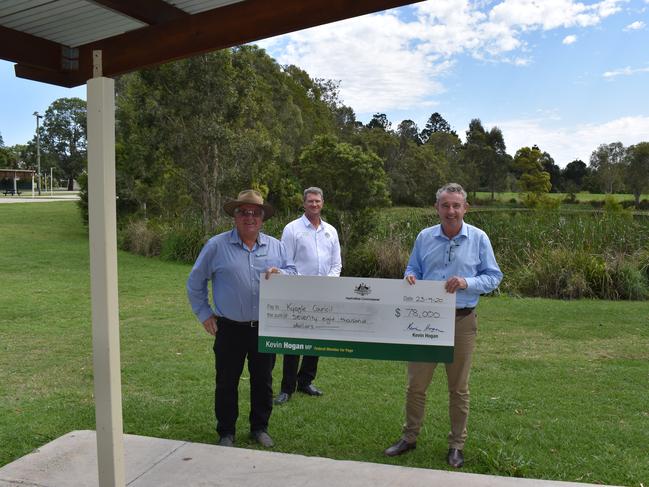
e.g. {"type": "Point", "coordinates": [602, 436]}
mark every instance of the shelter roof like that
{"type": "Point", "coordinates": [53, 40]}
{"type": "Point", "coordinates": [9, 173]}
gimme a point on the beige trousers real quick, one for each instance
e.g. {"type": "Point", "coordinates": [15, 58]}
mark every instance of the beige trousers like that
{"type": "Point", "coordinates": [420, 375]}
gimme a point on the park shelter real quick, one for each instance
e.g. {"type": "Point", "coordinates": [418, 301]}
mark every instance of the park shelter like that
{"type": "Point", "coordinates": [75, 42]}
{"type": "Point", "coordinates": [16, 175]}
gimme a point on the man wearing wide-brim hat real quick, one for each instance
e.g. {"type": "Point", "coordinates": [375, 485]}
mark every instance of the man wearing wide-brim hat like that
{"type": "Point", "coordinates": [234, 261]}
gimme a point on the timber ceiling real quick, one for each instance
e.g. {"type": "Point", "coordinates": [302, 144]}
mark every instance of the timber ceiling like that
{"type": "Point", "coordinates": [52, 41]}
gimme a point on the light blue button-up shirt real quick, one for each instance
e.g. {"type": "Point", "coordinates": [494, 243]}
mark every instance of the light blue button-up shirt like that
{"type": "Point", "coordinates": [469, 254]}
{"type": "Point", "coordinates": [234, 271]}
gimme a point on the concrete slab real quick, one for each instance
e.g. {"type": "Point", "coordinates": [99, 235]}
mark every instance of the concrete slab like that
{"type": "Point", "coordinates": [71, 461]}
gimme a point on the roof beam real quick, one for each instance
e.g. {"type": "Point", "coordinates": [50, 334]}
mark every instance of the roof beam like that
{"type": "Point", "coordinates": [218, 28]}
{"type": "Point", "coordinates": [152, 12]}
{"type": "Point", "coordinates": [18, 47]}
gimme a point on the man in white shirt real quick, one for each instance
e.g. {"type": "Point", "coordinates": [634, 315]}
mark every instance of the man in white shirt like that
{"type": "Point", "coordinates": [313, 246]}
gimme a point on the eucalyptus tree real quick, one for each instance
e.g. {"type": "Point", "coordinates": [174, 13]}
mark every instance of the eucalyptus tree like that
{"type": "Point", "coordinates": [606, 163]}
{"type": "Point", "coordinates": [64, 137]}
{"type": "Point", "coordinates": [636, 170]}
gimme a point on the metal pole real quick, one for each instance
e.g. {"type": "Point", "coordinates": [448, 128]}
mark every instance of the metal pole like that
{"type": "Point", "coordinates": [51, 183]}
{"type": "Point", "coordinates": [38, 150]}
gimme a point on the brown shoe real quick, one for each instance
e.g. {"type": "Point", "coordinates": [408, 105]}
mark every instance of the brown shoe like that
{"type": "Point", "coordinates": [400, 447]}
{"type": "Point", "coordinates": [455, 458]}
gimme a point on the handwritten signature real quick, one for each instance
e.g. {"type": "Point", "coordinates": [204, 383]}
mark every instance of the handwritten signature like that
{"type": "Point", "coordinates": [411, 327]}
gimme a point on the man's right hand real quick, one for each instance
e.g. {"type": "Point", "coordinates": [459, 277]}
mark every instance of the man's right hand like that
{"type": "Point", "coordinates": [411, 279]}
{"type": "Point", "coordinates": [210, 325]}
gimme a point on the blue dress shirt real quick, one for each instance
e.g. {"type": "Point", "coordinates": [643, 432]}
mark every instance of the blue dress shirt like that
{"type": "Point", "coordinates": [469, 254]}
{"type": "Point", "coordinates": [234, 271]}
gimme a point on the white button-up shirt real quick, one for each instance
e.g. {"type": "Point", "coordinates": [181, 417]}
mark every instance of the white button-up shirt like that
{"type": "Point", "coordinates": [315, 251]}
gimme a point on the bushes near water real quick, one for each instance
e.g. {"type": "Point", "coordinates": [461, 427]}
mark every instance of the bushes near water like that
{"type": "Point", "coordinates": [550, 253]}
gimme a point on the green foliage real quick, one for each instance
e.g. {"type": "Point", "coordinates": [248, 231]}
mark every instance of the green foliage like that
{"type": "Point", "coordinates": [636, 171]}
{"type": "Point", "coordinates": [182, 242]}
{"type": "Point", "coordinates": [63, 136]}
{"type": "Point", "coordinates": [533, 179]}
{"type": "Point", "coordinates": [352, 179]}
{"type": "Point", "coordinates": [195, 132]}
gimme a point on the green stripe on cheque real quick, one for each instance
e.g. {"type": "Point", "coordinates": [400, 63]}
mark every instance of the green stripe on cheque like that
{"type": "Point", "coordinates": [347, 349]}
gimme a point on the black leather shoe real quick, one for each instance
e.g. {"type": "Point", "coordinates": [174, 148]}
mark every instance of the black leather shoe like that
{"type": "Point", "coordinates": [311, 390]}
{"type": "Point", "coordinates": [455, 458]}
{"type": "Point", "coordinates": [282, 398]}
{"type": "Point", "coordinates": [262, 438]}
{"type": "Point", "coordinates": [401, 446]}
{"type": "Point", "coordinates": [226, 440]}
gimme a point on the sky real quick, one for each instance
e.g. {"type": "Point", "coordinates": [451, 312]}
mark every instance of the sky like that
{"type": "Point", "coordinates": [564, 75]}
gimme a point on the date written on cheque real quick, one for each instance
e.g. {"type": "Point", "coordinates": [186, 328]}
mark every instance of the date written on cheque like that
{"type": "Point", "coordinates": [422, 299]}
{"type": "Point", "coordinates": [416, 313]}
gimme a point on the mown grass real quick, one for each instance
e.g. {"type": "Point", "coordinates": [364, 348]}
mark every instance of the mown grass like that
{"type": "Point", "coordinates": [559, 389]}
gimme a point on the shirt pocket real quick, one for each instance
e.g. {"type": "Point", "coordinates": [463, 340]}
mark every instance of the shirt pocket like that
{"type": "Point", "coordinates": [264, 261]}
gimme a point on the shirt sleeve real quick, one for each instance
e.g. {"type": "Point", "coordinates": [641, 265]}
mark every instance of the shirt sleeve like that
{"type": "Point", "coordinates": [288, 265]}
{"type": "Point", "coordinates": [414, 264]}
{"type": "Point", "coordinates": [489, 274]}
{"type": "Point", "coordinates": [336, 261]}
{"type": "Point", "coordinates": [197, 283]}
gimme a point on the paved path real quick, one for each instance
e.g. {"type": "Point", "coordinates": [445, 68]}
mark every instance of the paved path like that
{"type": "Point", "coordinates": [71, 461]}
{"type": "Point", "coordinates": [39, 199]}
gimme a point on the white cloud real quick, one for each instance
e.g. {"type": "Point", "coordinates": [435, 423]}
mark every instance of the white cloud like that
{"type": "Point", "coordinates": [565, 144]}
{"type": "Point", "coordinates": [385, 62]}
{"type": "Point", "coordinates": [571, 39]}
{"type": "Point", "coordinates": [627, 71]}
{"type": "Point", "coordinates": [637, 25]}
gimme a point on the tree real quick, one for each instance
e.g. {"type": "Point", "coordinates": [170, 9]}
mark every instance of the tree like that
{"type": "Point", "coordinates": [533, 178]}
{"type": "Point", "coordinates": [494, 162]}
{"type": "Point", "coordinates": [636, 169]}
{"type": "Point", "coordinates": [553, 170]}
{"type": "Point", "coordinates": [475, 150]}
{"type": "Point", "coordinates": [353, 181]}
{"type": "Point", "coordinates": [435, 124]}
{"type": "Point", "coordinates": [194, 132]}
{"type": "Point", "coordinates": [575, 172]}
{"type": "Point", "coordinates": [64, 136]}
{"type": "Point", "coordinates": [606, 162]}
{"type": "Point", "coordinates": [379, 121]}
{"type": "Point", "coordinates": [407, 130]}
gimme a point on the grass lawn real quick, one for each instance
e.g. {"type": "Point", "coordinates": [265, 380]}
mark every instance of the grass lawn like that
{"type": "Point", "coordinates": [559, 389]}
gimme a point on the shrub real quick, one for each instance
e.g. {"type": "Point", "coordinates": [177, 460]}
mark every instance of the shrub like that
{"type": "Point", "coordinates": [183, 242]}
{"type": "Point", "coordinates": [140, 237]}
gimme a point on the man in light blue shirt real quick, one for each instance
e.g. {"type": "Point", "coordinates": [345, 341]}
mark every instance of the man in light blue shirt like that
{"type": "Point", "coordinates": [461, 255]}
{"type": "Point", "coordinates": [313, 246]}
{"type": "Point", "coordinates": [233, 262]}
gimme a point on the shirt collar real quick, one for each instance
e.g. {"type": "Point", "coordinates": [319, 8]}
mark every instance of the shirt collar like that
{"type": "Point", "coordinates": [437, 232]}
{"type": "Point", "coordinates": [308, 224]}
{"type": "Point", "coordinates": [262, 238]}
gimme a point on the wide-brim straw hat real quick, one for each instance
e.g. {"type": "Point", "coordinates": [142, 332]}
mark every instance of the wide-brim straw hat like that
{"type": "Point", "coordinates": [249, 197]}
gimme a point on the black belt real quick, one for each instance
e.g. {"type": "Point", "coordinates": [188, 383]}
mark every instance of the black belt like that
{"type": "Point", "coordinates": [463, 311]}
{"type": "Point", "coordinates": [223, 319]}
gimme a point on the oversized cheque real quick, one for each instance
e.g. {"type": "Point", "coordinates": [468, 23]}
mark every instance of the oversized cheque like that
{"type": "Point", "coordinates": [384, 319]}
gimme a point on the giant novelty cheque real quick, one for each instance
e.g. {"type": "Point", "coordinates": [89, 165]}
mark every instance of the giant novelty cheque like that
{"type": "Point", "coordinates": [385, 319]}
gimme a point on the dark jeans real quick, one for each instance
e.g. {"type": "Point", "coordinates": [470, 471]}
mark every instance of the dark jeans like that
{"type": "Point", "coordinates": [290, 375]}
{"type": "Point", "coordinates": [234, 342]}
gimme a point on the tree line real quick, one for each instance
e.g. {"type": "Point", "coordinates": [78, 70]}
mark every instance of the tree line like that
{"type": "Point", "coordinates": [192, 133]}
